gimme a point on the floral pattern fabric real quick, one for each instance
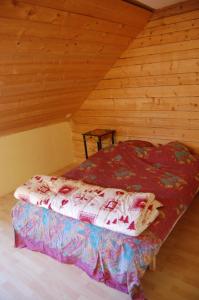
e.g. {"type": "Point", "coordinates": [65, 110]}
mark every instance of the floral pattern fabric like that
{"type": "Point", "coordinates": [114, 258]}
{"type": "Point", "coordinates": [172, 177]}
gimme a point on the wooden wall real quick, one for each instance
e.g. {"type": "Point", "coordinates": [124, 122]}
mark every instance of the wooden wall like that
{"type": "Point", "coordinates": [53, 53]}
{"type": "Point", "coordinates": [152, 91]}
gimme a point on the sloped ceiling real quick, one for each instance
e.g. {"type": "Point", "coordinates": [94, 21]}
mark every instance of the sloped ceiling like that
{"type": "Point", "coordinates": [53, 53]}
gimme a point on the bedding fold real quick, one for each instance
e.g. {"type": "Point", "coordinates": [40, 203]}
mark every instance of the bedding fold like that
{"type": "Point", "coordinates": [129, 213]}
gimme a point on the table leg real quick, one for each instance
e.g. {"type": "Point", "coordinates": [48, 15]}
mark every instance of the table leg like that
{"type": "Point", "coordinates": [99, 144]}
{"type": "Point", "coordinates": [113, 138]}
{"type": "Point", "coordinates": [85, 147]}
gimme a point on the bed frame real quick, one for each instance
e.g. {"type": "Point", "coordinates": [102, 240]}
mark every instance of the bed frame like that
{"type": "Point", "coordinates": [152, 266]}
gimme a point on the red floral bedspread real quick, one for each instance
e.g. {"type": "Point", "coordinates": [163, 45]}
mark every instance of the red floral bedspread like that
{"type": "Point", "coordinates": [169, 171]}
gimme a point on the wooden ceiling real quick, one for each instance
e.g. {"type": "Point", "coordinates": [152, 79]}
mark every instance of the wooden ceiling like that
{"type": "Point", "coordinates": [53, 53]}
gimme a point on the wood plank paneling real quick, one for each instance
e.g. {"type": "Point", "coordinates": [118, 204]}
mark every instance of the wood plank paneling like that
{"type": "Point", "coordinates": [53, 53]}
{"type": "Point", "coordinates": [112, 10]}
{"type": "Point", "coordinates": [152, 91]}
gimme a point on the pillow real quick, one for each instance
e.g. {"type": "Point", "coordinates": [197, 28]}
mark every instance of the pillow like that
{"type": "Point", "coordinates": [173, 154]}
{"type": "Point", "coordinates": [179, 146]}
{"type": "Point", "coordinates": [138, 143]}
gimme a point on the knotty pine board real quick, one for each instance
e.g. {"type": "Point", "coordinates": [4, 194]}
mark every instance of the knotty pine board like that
{"type": "Point", "coordinates": [53, 54]}
{"type": "Point", "coordinates": [152, 91]}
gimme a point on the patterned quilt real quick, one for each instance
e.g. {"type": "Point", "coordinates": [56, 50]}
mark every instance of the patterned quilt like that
{"type": "Point", "coordinates": [115, 209]}
{"type": "Point", "coordinates": [170, 171]}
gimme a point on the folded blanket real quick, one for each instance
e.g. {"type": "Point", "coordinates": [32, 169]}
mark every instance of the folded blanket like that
{"type": "Point", "coordinates": [115, 209]}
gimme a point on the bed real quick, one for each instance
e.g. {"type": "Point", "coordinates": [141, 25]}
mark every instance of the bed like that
{"type": "Point", "coordinates": [169, 171]}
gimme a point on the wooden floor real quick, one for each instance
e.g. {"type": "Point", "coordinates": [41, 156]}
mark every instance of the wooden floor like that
{"type": "Point", "coordinates": [26, 275]}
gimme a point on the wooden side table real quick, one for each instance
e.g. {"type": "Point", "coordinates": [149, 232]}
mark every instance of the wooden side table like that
{"type": "Point", "coordinates": [99, 134]}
